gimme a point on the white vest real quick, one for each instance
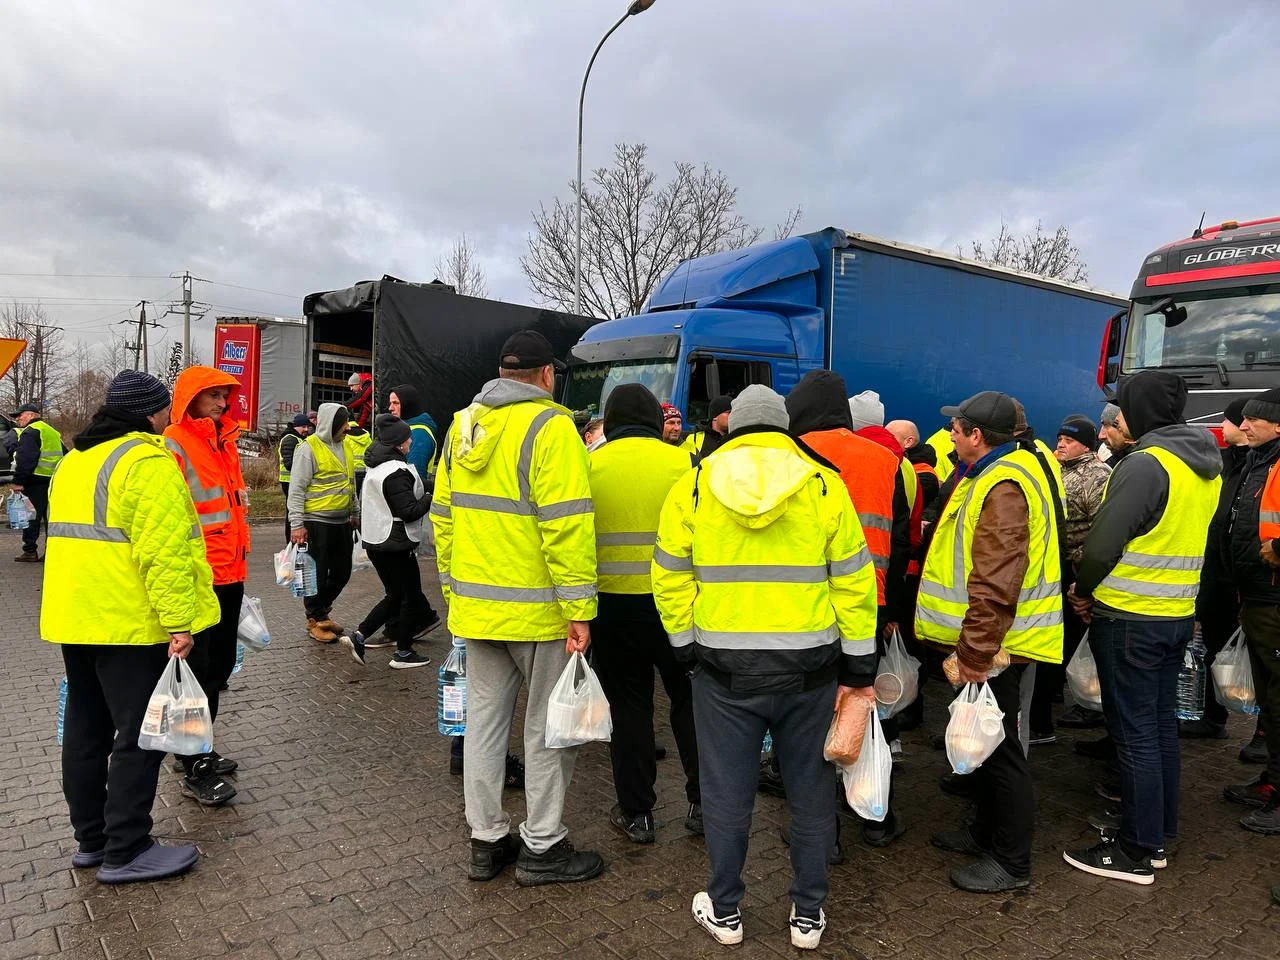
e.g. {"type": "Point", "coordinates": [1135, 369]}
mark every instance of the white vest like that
{"type": "Point", "coordinates": [375, 515]}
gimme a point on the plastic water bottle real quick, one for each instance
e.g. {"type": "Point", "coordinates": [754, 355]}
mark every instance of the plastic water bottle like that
{"type": "Point", "coordinates": [1191, 680]}
{"type": "Point", "coordinates": [19, 515]}
{"type": "Point", "coordinates": [766, 748]}
{"type": "Point", "coordinates": [304, 575]}
{"type": "Point", "coordinates": [62, 706]}
{"type": "Point", "coordinates": [239, 658]}
{"type": "Point", "coordinates": [452, 692]}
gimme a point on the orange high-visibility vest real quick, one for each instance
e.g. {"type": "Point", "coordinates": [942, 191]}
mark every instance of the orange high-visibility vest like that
{"type": "Point", "coordinates": [1269, 507]}
{"type": "Point", "coordinates": [917, 516]}
{"type": "Point", "coordinates": [869, 472]}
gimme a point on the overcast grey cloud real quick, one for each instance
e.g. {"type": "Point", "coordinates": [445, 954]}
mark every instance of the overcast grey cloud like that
{"type": "Point", "coordinates": [295, 147]}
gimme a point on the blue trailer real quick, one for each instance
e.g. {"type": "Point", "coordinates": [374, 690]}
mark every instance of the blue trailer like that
{"type": "Point", "coordinates": [920, 327]}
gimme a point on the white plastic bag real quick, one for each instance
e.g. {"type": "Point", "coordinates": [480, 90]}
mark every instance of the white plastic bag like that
{"type": "Point", "coordinates": [359, 557]}
{"type": "Point", "coordinates": [975, 729]}
{"type": "Point", "coordinates": [1233, 676]}
{"type": "Point", "coordinates": [1082, 676]}
{"type": "Point", "coordinates": [284, 564]}
{"type": "Point", "coordinates": [252, 632]}
{"type": "Point", "coordinates": [578, 711]}
{"type": "Point", "coordinates": [177, 720]}
{"type": "Point", "coordinates": [898, 679]}
{"type": "Point", "coordinates": [866, 780]}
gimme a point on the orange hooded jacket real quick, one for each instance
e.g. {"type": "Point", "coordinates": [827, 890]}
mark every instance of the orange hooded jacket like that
{"type": "Point", "coordinates": [210, 461]}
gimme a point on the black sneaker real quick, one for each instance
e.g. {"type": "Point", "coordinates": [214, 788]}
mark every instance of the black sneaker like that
{"type": "Point", "coordinates": [354, 642]}
{"type": "Point", "coordinates": [515, 773]}
{"type": "Point", "coordinates": [1042, 737]}
{"type": "Point", "coordinates": [407, 661]}
{"type": "Point", "coordinates": [379, 641]}
{"type": "Point", "coordinates": [693, 820]}
{"type": "Point", "coordinates": [958, 786]}
{"type": "Point", "coordinates": [987, 876]}
{"type": "Point", "coordinates": [223, 765]}
{"type": "Point", "coordinates": [489, 858]}
{"type": "Point", "coordinates": [1256, 794]}
{"type": "Point", "coordinates": [431, 623]}
{"type": "Point", "coordinates": [1081, 718]}
{"type": "Point", "coordinates": [560, 864]}
{"type": "Point", "coordinates": [770, 781]}
{"type": "Point", "coordinates": [206, 786]}
{"type": "Point", "coordinates": [1107, 824]}
{"type": "Point", "coordinates": [885, 832]}
{"type": "Point", "coordinates": [638, 828]}
{"type": "Point", "coordinates": [1108, 859]}
{"type": "Point", "coordinates": [1255, 751]}
{"type": "Point", "coordinates": [1265, 821]}
{"type": "Point", "coordinates": [1202, 729]}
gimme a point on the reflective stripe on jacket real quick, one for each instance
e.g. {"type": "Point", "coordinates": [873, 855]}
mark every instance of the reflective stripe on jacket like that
{"type": "Point", "coordinates": [125, 562]}
{"type": "Point", "coordinates": [332, 487]}
{"type": "Point", "coordinates": [50, 448]}
{"type": "Point", "coordinates": [630, 480]}
{"type": "Point", "coordinates": [941, 442]}
{"type": "Point", "coordinates": [761, 564]}
{"type": "Point", "coordinates": [1158, 575]}
{"type": "Point", "coordinates": [1269, 506]}
{"type": "Point", "coordinates": [282, 470]}
{"type": "Point", "coordinates": [917, 514]}
{"type": "Point", "coordinates": [356, 444]}
{"type": "Point", "coordinates": [867, 470]}
{"type": "Point", "coordinates": [943, 600]}
{"type": "Point", "coordinates": [513, 518]}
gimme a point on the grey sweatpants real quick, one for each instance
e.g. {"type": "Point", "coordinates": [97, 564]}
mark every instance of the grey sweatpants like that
{"type": "Point", "coordinates": [495, 671]}
{"type": "Point", "coordinates": [731, 730]}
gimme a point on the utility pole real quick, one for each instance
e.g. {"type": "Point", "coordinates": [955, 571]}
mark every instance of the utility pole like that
{"type": "Point", "coordinates": [139, 348]}
{"type": "Point", "coordinates": [186, 318]}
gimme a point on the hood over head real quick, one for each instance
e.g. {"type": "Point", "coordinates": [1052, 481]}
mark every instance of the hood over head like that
{"type": "Point", "coordinates": [1194, 446]}
{"type": "Point", "coordinates": [923, 453]}
{"type": "Point", "coordinates": [194, 379]}
{"type": "Point", "coordinates": [634, 409]}
{"type": "Point", "coordinates": [818, 402]}
{"type": "Point", "coordinates": [754, 476]}
{"type": "Point", "coordinates": [410, 401]}
{"type": "Point", "coordinates": [1150, 400]}
{"type": "Point", "coordinates": [330, 417]}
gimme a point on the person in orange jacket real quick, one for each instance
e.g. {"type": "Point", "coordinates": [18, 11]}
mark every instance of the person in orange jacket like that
{"type": "Point", "coordinates": [202, 436]}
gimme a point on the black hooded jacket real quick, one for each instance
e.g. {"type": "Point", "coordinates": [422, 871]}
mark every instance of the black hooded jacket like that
{"type": "Point", "coordinates": [397, 490]}
{"type": "Point", "coordinates": [1138, 491]}
{"type": "Point", "coordinates": [1217, 553]}
{"type": "Point", "coordinates": [1253, 578]}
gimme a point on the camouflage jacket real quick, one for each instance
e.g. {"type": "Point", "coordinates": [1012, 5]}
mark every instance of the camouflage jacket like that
{"type": "Point", "coordinates": [1084, 479]}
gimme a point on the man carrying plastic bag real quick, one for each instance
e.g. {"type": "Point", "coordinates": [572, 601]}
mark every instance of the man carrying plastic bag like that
{"type": "Point", "coordinates": [992, 579]}
{"type": "Point", "coordinates": [763, 579]}
{"type": "Point", "coordinates": [126, 585]}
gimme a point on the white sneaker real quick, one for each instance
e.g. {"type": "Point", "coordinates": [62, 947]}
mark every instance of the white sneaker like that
{"type": "Point", "coordinates": [726, 930]}
{"type": "Point", "coordinates": [806, 934]}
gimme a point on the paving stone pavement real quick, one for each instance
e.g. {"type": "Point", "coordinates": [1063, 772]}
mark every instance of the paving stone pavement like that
{"type": "Point", "coordinates": [347, 839]}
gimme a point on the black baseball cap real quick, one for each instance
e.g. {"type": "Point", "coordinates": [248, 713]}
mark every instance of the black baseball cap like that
{"type": "Point", "coordinates": [528, 350]}
{"type": "Point", "coordinates": [990, 409]}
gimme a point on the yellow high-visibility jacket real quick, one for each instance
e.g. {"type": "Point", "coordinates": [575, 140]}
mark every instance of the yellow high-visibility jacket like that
{"type": "Point", "coordinates": [761, 566]}
{"type": "Point", "coordinates": [513, 519]}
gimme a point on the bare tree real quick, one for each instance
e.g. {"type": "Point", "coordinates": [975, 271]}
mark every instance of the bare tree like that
{"type": "Point", "coordinates": [1051, 255]}
{"type": "Point", "coordinates": [89, 372]}
{"type": "Point", "coordinates": [461, 269]}
{"type": "Point", "coordinates": [635, 230]}
{"type": "Point", "coordinates": [36, 375]}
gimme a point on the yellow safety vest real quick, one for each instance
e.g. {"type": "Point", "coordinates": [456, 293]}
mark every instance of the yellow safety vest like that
{"type": "Point", "coordinates": [94, 587]}
{"type": "Point", "coordinates": [356, 445]}
{"type": "Point", "coordinates": [941, 442]}
{"type": "Point", "coordinates": [50, 448]}
{"type": "Point", "coordinates": [1158, 575]}
{"type": "Point", "coordinates": [514, 524]}
{"type": "Point", "coordinates": [1036, 632]}
{"type": "Point", "coordinates": [331, 487]}
{"type": "Point", "coordinates": [693, 442]}
{"type": "Point", "coordinates": [435, 447]}
{"type": "Point", "coordinates": [282, 470]}
{"type": "Point", "coordinates": [630, 480]}
{"type": "Point", "coordinates": [910, 482]}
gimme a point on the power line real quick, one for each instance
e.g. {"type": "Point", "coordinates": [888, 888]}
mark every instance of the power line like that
{"type": "Point", "coordinates": [86, 276]}
{"type": "Point", "coordinates": [236, 286]}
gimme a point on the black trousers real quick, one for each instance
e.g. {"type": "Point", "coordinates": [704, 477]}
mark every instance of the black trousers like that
{"type": "Point", "coordinates": [625, 654]}
{"type": "Point", "coordinates": [1051, 676]}
{"type": "Point", "coordinates": [330, 547]}
{"type": "Point", "coordinates": [284, 488]}
{"type": "Point", "coordinates": [1006, 804]}
{"type": "Point", "coordinates": [214, 655]}
{"type": "Point", "coordinates": [404, 608]}
{"type": "Point", "coordinates": [37, 491]}
{"type": "Point", "coordinates": [107, 692]}
{"type": "Point", "coordinates": [1262, 631]}
{"type": "Point", "coordinates": [1218, 610]}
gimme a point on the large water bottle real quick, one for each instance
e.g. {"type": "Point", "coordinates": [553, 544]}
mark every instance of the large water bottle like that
{"type": "Point", "coordinates": [452, 693]}
{"type": "Point", "coordinates": [1191, 679]}
{"type": "Point", "coordinates": [19, 513]}
{"type": "Point", "coordinates": [239, 658]}
{"type": "Point", "coordinates": [62, 706]}
{"type": "Point", "coordinates": [304, 575]}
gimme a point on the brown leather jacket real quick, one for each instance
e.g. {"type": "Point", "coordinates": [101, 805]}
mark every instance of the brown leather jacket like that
{"type": "Point", "coordinates": [1000, 545]}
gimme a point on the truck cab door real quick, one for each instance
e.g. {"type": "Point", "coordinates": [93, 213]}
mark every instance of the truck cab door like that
{"type": "Point", "coordinates": [715, 375]}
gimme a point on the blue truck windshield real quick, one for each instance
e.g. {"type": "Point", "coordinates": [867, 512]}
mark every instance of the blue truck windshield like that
{"type": "Point", "coordinates": [1236, 329]}
{"type": "Point", "coordinates": [590, 384]}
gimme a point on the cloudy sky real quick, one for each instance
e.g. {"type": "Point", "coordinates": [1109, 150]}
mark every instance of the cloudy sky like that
{"type": "Point", "coordinates": [291, 147]}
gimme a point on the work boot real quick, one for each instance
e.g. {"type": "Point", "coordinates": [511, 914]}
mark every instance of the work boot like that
{"type": "Point", "coordinates": [329, 625]}
{"type": "Point", "coordinates": [1265, 821]}
{"type": "Point", "coordinates": [1255, 751]}
{"type": "Point", "coordinates": [490, 857]}
{"type": "Point", "coordinates": [25, 557]}
{"type": "Point", "coordinates": [560, 864]}
{"type": "Point", "coordinates": [316, 631]}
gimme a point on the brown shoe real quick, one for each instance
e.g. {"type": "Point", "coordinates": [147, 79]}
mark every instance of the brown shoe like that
{"type": "Point", "coordinates": [317, 632]}
{"type": "Point", "coordinates": [25, 557]}
{"type": "Point", "coordinates": [331, 626]}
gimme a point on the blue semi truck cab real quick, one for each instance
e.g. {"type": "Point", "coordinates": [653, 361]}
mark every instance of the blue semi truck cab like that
{"type": "Point", "coordinates": [922, 328]}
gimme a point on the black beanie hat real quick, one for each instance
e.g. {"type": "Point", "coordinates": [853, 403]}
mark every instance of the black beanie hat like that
{"type": "Point", "coordinates": [391, 430]}
{"type": "Point", "coordinates": [719, 405]}
{"type": "Point", "coordinates": [632, 405]}
{"type": "Point", "coordinates": [1080, 428]}
{"type": "Point", "coordinates": [136, 393]}
{"type": "Point", "coordinates": [1264, 406]}
{"type": "Point", "coordinates": [1235, 410]}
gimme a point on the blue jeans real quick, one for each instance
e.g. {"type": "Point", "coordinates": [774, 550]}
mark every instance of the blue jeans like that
{"type": "Point", "coordinates": [1138, 664]}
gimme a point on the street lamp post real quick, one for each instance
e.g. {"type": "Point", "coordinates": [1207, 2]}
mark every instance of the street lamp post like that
{"type": "Point", "coordinates": [636, 7]}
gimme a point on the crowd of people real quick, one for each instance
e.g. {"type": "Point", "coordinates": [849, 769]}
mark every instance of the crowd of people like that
{"type": "Point", "coordinates": [758, 567]}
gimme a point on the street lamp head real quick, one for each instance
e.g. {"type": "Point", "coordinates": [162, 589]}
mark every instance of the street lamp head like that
{"type": "Point", "coordinates": [638, 6]}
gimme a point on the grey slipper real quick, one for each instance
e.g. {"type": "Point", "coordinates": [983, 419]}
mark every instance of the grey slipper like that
{"type": "Point", "coordinates": [987, 876]}
{"type": "Point", "coordinates": [154, 863]}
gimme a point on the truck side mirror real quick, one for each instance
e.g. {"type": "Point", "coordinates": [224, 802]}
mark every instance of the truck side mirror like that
{"type": "Point", "coordinates": [1114, 329]}
{"type": "Point", "coordinates": [713, 379]}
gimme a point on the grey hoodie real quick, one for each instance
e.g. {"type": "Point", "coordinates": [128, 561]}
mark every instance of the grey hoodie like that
{"type": "Point", "coordinates": [304, 468]}
{"type": "Point", "coordinates": [1136, 497]}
